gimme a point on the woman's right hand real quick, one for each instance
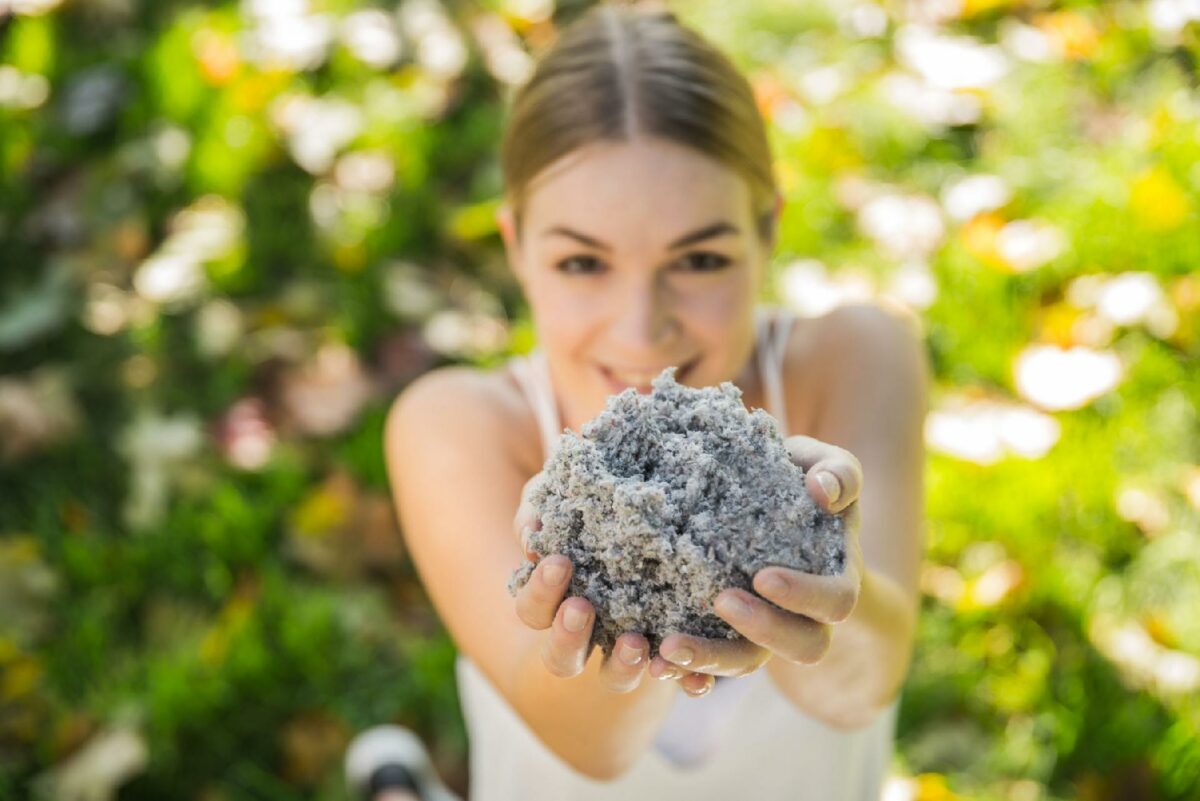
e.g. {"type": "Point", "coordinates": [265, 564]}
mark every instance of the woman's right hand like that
{"type": "Point", "coordinates": [540, 605]}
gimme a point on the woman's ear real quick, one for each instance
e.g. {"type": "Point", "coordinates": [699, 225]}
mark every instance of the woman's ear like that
{"type": "Point", "coordinates": [508, 232]}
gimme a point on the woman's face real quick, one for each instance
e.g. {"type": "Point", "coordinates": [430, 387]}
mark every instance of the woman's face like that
{"type": "Point", "coordinates": [635, 256]}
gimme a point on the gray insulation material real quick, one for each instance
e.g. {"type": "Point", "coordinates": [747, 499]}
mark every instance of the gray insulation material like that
{"type": "Point", "coordinates": [666, 499]}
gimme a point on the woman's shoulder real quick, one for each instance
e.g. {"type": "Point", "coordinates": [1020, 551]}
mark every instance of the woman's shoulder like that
{"type": "Point", "coordinates": [466, 398]}
{"type": "Point", "coordinates": [850, 348]}
{"type": "Point", "coordinates": [868, 326]}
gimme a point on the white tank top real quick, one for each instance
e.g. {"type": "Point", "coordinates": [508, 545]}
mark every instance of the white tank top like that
{"type": "Point", "coordinates": [743, 739]}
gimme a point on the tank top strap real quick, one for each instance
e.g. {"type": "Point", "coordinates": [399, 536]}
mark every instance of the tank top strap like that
{"type": "Point", "coordinates": [774, 327]}
{"type": "Point", "coordinates": [533, 377]}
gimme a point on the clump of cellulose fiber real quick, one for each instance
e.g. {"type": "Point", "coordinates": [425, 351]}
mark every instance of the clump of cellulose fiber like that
{"type": "Point", "coordinates": [668, 498]}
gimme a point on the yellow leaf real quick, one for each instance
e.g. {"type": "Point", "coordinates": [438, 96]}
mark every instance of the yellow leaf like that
{"type": "Point", "coordinates": [1157, 202]}
{"type": "Point", "coordinates": [19, 679]}
{"type": "Point", "coordinates": [1074, 34]}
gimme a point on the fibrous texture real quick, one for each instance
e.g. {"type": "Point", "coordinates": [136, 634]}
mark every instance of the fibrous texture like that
{"type": "Point", "coordinates": [668, 498]}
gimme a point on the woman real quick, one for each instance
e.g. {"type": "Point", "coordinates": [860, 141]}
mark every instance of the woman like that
{"type": "Point", "coordinates": [639, 216]}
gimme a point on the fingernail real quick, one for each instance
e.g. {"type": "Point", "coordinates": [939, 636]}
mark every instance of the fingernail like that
{"type": "Point", "coordinates": [668, 674]}
{"type": "Point", "coordinates": [702, 691]}
{"type": "Point", "coordinates": [733, 606]}
{"type": "Point", "coordinates": [573, 619]}
{"type": "Point", "coordinates": [630, 655]}
{"type": "Point", "coordinates": [554, 573]}
{"type": "Point", "coordinates": [829, 483]}
{"type": "Point", "coordinates": [680, 656]}
{"type": "Point", "coordinates": [773, 584]}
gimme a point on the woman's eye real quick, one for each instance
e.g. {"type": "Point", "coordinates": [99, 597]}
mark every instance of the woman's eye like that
{"type": "Point", "coordinates": [579, 265]}
{"type": "Point", "coordinates": [705, 262]}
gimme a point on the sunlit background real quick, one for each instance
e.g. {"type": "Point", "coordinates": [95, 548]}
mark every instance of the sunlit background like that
{"type": "Point", "coordinates": [231, 232]}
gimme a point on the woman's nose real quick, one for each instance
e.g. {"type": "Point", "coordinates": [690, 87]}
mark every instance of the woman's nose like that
{"type": "Point", "coordinates": [645, 319]}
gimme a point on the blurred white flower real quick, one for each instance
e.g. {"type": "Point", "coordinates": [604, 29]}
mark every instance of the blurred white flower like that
{"type": "Point", "coordinates": [1191, 487]}
{"type": "Point", "coordinates": [325, 395]}
{"type": "Point", "coordinates": [1127, 298]}
{"type": "Point", "coordinates": [1132, 298]}
{"type": "Point", "coordinates": [974, 194]}
{"type": "Point", "coordinates": [503, 55]}
{"type": "Point", "coordinates": [820, 85]}
{"type": "Point", "coordinates": [155, 446]}
{"type": "Point", "coordinates": [169, 277]}
{"type": "Point", "coordinates": [808, 289]}
{"type": "Point", "coordinates": [345, 214]}
{"type": "Point", "coordinates": [864, 20]}
{"type": "Point", "coordinates": [440, 48]}
{"type": "Point", "coordinates": [21, 90]}
{"type": "Point", "coordinates": [983, 431]}
{"type": "Point", "coordinates": [942, 582]}
{"type": "Point", "coordinates": [1144, 508]}
{"type": "Point", "coordinates": [1142, 659]}
{"type": "Point", "coordinates": [903, 226]}
{"type": "Point", "coordinates": [97, 770]}
{"type": "Point", "coordinates": [209, 229]}
{"type": "Point", "coordinates": [853, 191]}
{"type": "Point", "coordinates": [789, 116]}
{"type": "Point", "coordinates": [365, 171]}
{"type": "Point", "coordinates": [372, 37]}
{"type": "Point", "coordinates": [995, 584]}
{"type": "Point", "coordinates": [949, 62]}
{"type": "Point", "coordinates": [244, 434]}
{"type": "Point", "coordinates": [932, 107]}
{"type": "Point", "coordinates": [408, 291]}
{"type": "Point", "coordinates": [218, 328]}
{"type": "Point", "coordinates": [283, 35]}
{"type": "Point", "coordinates": [36, 412]}
{"type": "Point", "coordinates": [456, 333]}
{"type": "Point", "coordinates": [105, 310]}
{"type": "Point", "coordinates": [171, 145]}
{"type": "Point", "coordinates": [1026, 42]}
{"type": "Point", "coordinates": [29, 7]}
{"type": "Point", "coordinates": [1027, 244]}
{"type": "Point", "coordinates": [913, 285]}
{"type": "Point", "coordinates": [530, 10]}
{"type": "Point", "coordinates": [932, 12]}
{"type": "Point", "coordinates": [316, 128]}
{"type": "Point", "coordinates": [1054, 378]}
{"type": "Point", "coordinates": [1168, 18]}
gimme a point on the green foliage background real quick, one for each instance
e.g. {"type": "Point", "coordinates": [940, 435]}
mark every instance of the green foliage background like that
{"type": "Point", "coordinates": [231, 233]}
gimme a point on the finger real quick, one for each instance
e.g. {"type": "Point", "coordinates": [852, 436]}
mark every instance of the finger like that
{"type": "Point", "coordinates": [833, 475]}
{"type": "Point", "coordinates": [826, 599]}
{"type": "Point", "coordinates": [565, 651]}
{"type": "Point", "coordinates": [526, 520]}
{"type": "Point", "coordinates": [697, 684]}
{"type": "Point", "coordinates": [663, 670]}
{"type": "Point", "coordinates": [538, 600]}
{"type": "Point", "coordinates": [793, 637]}
{"type": "Point", "coordinates": [715, 657]}
{"type": "Point", "coordinates": [622, 669]}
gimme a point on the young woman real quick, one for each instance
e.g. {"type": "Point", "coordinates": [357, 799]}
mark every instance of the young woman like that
{"type": "Point", "coordinates": [639, 217]}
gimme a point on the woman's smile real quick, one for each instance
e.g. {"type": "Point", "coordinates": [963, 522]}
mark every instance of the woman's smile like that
{"type": "Point", "coordinates": [619, 379]}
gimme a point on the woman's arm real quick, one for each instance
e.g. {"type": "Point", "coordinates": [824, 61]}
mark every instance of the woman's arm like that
{"type": "Point", "coordinates": [875, 377]}
{"type": "Point", "coordinates": [456, 485]}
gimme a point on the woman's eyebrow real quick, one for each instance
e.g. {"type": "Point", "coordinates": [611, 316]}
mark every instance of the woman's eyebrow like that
{"type": "Point", "coordinates": [699, 235]}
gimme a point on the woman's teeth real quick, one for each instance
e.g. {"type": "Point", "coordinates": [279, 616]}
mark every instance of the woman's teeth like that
{"type": "Point", "coordinates": [635, 379]}
{"type": "Point", "coordinates": [640, 380]}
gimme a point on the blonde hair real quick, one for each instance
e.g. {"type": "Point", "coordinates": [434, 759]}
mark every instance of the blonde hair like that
{"type": "Point", "coordinates": [617, 72]}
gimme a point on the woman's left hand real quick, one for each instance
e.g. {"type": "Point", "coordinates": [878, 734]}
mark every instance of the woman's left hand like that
{"type": "Point", "coordinates": [798, 623]}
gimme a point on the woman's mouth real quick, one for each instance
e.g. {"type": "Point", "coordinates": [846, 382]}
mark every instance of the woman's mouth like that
{"type": "Point", "coordinates": [619, 380]}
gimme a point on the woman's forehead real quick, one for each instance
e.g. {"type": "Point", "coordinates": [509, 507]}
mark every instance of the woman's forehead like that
{"type": "Point", "coordinates": [619, 185]}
